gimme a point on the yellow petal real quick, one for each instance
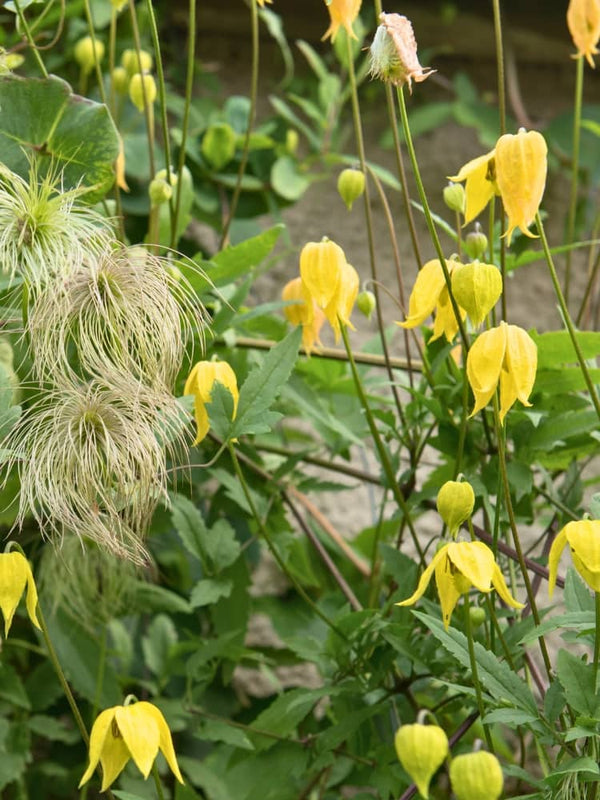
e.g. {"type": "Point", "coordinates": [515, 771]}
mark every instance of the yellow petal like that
{"type": "Point", "coordinates": [508, 393]}
{"type": "Point", "coordinates": [302, 312]}
{"type": "Point", "coordinates": [521, 361]}
{"type": "Point", "coordinates": [113, 758]}
{"type": "Point", "coordinates": [484, 364]}
{"type": "Point", "coordinates": [100, 731]}
{"type": "Point", "coordinates": [200, 383]}
{"type": "Point", "coordinates": [584, 540]}
{"type": "Point", "coordinates": [583, 20]}
{"type": "Point", "coordinates": [14, 576]}
{"type": "Point", "coordinates": [558, 545]}
{"type": "Point", "coordinates": [425, 578]}
{"type": "Point", "coordinates": [202, 421]}
{"type": "Point", "coordinates": [445, 323]}
{"type": "Point", "coordinates": [226, 376]}
{"type": "Point", "coordinates": [32, 597]}
{"type": "Point", "coordinates": [311, 331]}
{"type": "Point", "coordinates": [480, 185]}
{"type": "Point", "coordinates": [475, 561]}
{"type": "Point", "coordinates": [521, 166]}
{"type": "Point", "coordinates": [500, 586]}
{"type": "Point", "coordinates": [591, 578]}
{"type": "Point", "coordinates": [342, 14]}
{"type": "Point", "coordinates": [166, 742]}
{"type": "Point", "coordinates": [321, 265]}
{"type": "Point", "coordinates": [448, 589]}
{"type": "Point", "coordinates": [426, 292]}
{"type": "Point", "coordinates": [339, 309]}
{"type": "Point", "coordinates": [140, 733]}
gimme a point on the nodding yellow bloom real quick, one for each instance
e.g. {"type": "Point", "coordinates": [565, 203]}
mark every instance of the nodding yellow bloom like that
{"type": "Point", "coordinates": [521, 167]}
{"type": "Point", "coordinates": [342, 14]}
{"type": "Point", "coordinates": [304, 312]}
{"type": "Point", "coordinates": [200, 383]}
{"type": "Point", "coordinates": [457, 567]}
{"type": "Point", "coordinates": [583, 20]}
{"type": "Point", "coordinates": [476, 288]}
{"type": "Point", "coordinates": [421, 750]}
{"type": "Point", "coordinates": [506, 355]}
{"type": "Point", "coordinates": [15, 575]}
{"type": "Point", "coordinates": [136, 731]}
{"type": "Point", "coordinates": [321, 265]}
{"type": "Point", "coordinates": [583, 538]}
{"type": "Point", "coordinates": [430, 292]}
{"type": "Point", "coordinates": [339, 309]}
{"type": "Point", "coordinates": [261, 3]}
{"type": "Point", "coordinates": [480, 183]}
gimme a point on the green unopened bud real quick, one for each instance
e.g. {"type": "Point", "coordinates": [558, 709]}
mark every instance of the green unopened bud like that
{"type": "Point", "coordinates": [84, 53]}
{"type": "Point", "coordinates": [476, 776]}
{"type": "Point", "coordinates": [366, 303]}
{"type": "Point", "coordinates": [291, 141]}
{"type": "Point", "coordinates": [218, 144]}
{"type": "Point", "coordinates": [160, 192]}
{"type": "Point", "coordinates": [455, 503]}
{"type": "Point", "coordinates": [476, 243]}
{"type": "Point", "coordinates": [120, 80]}
{"type": "Point", "coordinates": [134, 63]}
{"type": "Point", "coordinates": [421, 750]}
{"type": "Point", "coordinates": [9, 61]}
{"type": "Point", "coordinates": [477, 616]}
{"type": "Point", "coordinates": [476, 288]}
{"type": "Point", "coordinates": [142, 86]}
{"type": "Point", "coordinates": [454, 197]}
{"type": "Point", "coordinates": [351, 185]}
{"type": "Point", "coordinates": [161, 175]}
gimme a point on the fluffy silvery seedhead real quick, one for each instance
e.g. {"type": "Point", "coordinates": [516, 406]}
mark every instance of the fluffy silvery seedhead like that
{"type": "Point", "coordinates": [44, 231]}
{"type": "Point", "coordinates": [92, 460]}
{"type": "Point", "coordinates": [122, 310]}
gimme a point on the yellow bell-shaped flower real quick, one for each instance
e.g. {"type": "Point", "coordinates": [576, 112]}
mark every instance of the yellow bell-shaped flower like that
{"type": "Point", "coordinates": [480, 184]}
{"type": "Point", "coordinates": [304, 312]}
{"type": "Point", "coordinates": [430, 292]}
{"type": "Point", "coordinates": [477, 288]}
{"type": "Point", "coordinates": [457, 567]}
{"type": "Point", "coordinates": [321, 265]}
{"type": "Point", "coordinates": [15, 576]}
{"type": "Point", "coordinates": [583, 538]}
{"type": "Point", "coordinates": [455, 502]}
{"type": "Point", "coordinates": [583, 20]}
{"type": "Point", "coordinates": [200, 383]}
{"type": "Point", "coordinates": [137, 731]}
{"type": "Point", "coordinates": [339, 309]}
{"type": "Point", "coordinates": [421, 750]}
{"type": "Point", "coordinates": [506, 355]}
{"type": "Point", "coordinates": [521, 167]}
{"type": "Point", "coordinates": [342, 14]}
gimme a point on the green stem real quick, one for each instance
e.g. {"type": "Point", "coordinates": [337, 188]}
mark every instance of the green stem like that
{"type": "Point", "coordinates": [157, 783]}
{"type": "Point", "coordinates": [428, 218]}
{"type": "Point", "coordinates": [90, 23]}
{"type": "Point", "coordinates": [462, 434]}
{"type": "Point", "coordinates": [251, 117]}
{"type": "Point", "coordinates": [475, 673]}
{"type": "Point", "coordinates": [500, 66]}
{"type": "Point", "coordinates": [267, 537]}
{"type": "Point", "coordinates": [567, 317]}
{"type": "Point", "coordinates": [384, 458]}
{"type": "Point", "coordinates": [29, 37]}
{"type": "Point", "coordinates": [574, 172]}
{"type": "Point", "coordinates": [148, 108]}
{"type": "Point", "coordinates": [597, 638]}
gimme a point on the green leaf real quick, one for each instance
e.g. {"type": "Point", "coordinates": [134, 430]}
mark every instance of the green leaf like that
{"type": "Point", "coordinates": [208, 591]}
{"type": "Point", "coordinates": [578, 681]}
{"type": "Point", "coordinates": [285, 713]}
{"type": "Point", "coordinates": [512, 717]}
{"type": "Point", "coordinates": [263, 385]}
{"type": "Point", "coordinates": [498, 678]}
{"type": "Point", "coordinates": [211, 783]}
{"type": "Point", "coordinates": [11, 687]}
{"type": "Point", "coordinates": [576, 620]}
{"type": "Point", "coordinates": [157, 644]}
{"type": "Point", "coordinates": [215, 547]}
{"type": "Point", "coordinates": [14, 751]}
{"type": "Point", "coordinates": [150, 597]}
{"type": "Point", "coordinates": [554, 431]}
{"type": "Point", "coordinates": [555, 348]}
{"type": "Point", "coordinates": [215, 730]}
{"type": "Point", "coordinates": [55, 730]}
{"type": "Point", "coordinates": [41, 116]}
{"type": "Point", "coordinates": [577, 595]}
{"type": "Point", "coordinates": [287, 180]}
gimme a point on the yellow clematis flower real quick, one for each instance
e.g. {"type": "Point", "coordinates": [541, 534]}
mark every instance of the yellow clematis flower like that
{"type": "Point", "coordinates": [339, 309]}
{"type": "Point", "coordinates": [321, 265]}
{"type": "Point", "coordinates": [430, 292]}
{"type": "Point", "coordinates": [457, 567]}
{"type": "Point", "coordinates": [15, 575]}
{"type": "Point", "coordinates": [136, 731]}
{"type": "Point", "coordinates": [480, 183]}
{"type": "Point", "coordinates": [342, 14]}
{"type": "Point", "coordinates": [583, 538]}
{"type": "Point", "coordinates": [521, 167]}
{"type": "Point", "coordinates": [200, 383]}
{"type": "Point", "coordinates": [476, 288]}
{"type": "Point", "coordinates": [304, 312]}
{"type": "Point", "coordinates": [583, 21]}
{"type": "Point", "coordinates": [506, 355]}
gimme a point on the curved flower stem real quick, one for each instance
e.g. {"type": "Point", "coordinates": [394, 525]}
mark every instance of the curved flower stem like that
{"type": "Point", "coordinates": [597, 637]}
{"type": "Point", "coordinates": [574, 172]}
{"type": "Point", "coordinates": [475, 673]}
{"type": "Point", "coordinates": [515, 534]}
{"type": "Point", "coordinates": [92, 31]}
{"type": "Point", "coordinates": [567, 318]}
{"type": "Point", "coordinates": [251, 117]}
{"type": "Point", "coordinates": [384, 458]}
{"type": "Point", "coordinates": [360, 146]}
{"type": "Point", "coordinates": [267, 537]}
{"type": "Point", "coordinates": [157, 783]}
{"type": "Point", "coordinates": [148, 109]}
{"type": "Point", "coordinates": [428, 218]}
{"type": "Point", "coordinates": [29, 37]}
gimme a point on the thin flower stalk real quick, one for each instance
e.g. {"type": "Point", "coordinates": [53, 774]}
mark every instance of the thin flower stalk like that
{"type": "Point", "coordinates": [30, 41]}
{"type": "Point", "coordinates": [148, 108]}
{"type": "Point", "coordinates": [475, 672]}
{"type": "Point", "coordinates": [570, 232]}
{"type": "Point", "coordinates": [92, 32]}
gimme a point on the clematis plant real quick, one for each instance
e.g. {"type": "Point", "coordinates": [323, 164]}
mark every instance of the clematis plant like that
{"type": "Point", "coordinates": [430, 292]}
{"type": "Point", "coordinates": [15, 576]}
{"type": "Point", "coordinates": [583, 538]}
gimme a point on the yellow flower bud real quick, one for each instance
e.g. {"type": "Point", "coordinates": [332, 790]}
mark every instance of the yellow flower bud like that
{"type": "Point", "coordinates": [160, 192]}
{"type": "Point", "coordinates": [351, 185]}
{"type": "Point", "coordinates": [476, 288]}
{"type": "Point", "coordinates": [142, 86]}
{"type": "Point", "coordinates": [476, 776]}
{"type": "Point", "coordinates": [455, 503]}
{"type": "Point", "coordinates": [454, 197]}
{"type": "Point", "coordinates": [218, 145]}
{"type": "Point", "coordinates": [366, 303]}
{"type": "Point", "coordinates": [521, 167]}
{"type": "Point", "coordinates": [321, 265]}
{"type": "Point", "coordinates": [84, 53]}
{"type": "Point", "coordinates": [291, 141]}
{"type": "Point", "coordinates": [134, 63]}
{"type": "Point", "coordinates": [476, 243]}
{"type": "Point", "coordinates": [421, 750]}
{"type": "Point", "coordinates": [583, 20]}
{"type": "Point", "coordinates": [120, 80]}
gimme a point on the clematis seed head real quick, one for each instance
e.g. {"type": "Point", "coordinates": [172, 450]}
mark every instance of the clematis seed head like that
{"type": "Point", "coordinates": [394, 52]}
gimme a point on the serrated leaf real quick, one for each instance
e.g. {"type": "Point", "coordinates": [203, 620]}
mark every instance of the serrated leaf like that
{"type": "Point", "coordinates": [285, 713]}
{"type": "Point", "coordinates": [150, 597]}
{"type": "Point", "coordinates": [575, 620]}
{"type": "Point", "coordinates": [512, 717]}
{"type": "Point", "coordinates": [215, 730]}
{"type": "Point", "coordinates": [579, 683]}
{"type": "Point", "coordinates": [216, 547]}
{"type": "Point", "coordinates": [497, 677]}
{"type": "Point", "coordinates": [555, 348]}
{"type": "Point", "coordinates": [11, 687]}
{"type": "Point", "coordinates": [208, 591]}
{"type": "Point", "coordinates": [53, 729]}
{"type": "Point", "coordinates": [14, 751]}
